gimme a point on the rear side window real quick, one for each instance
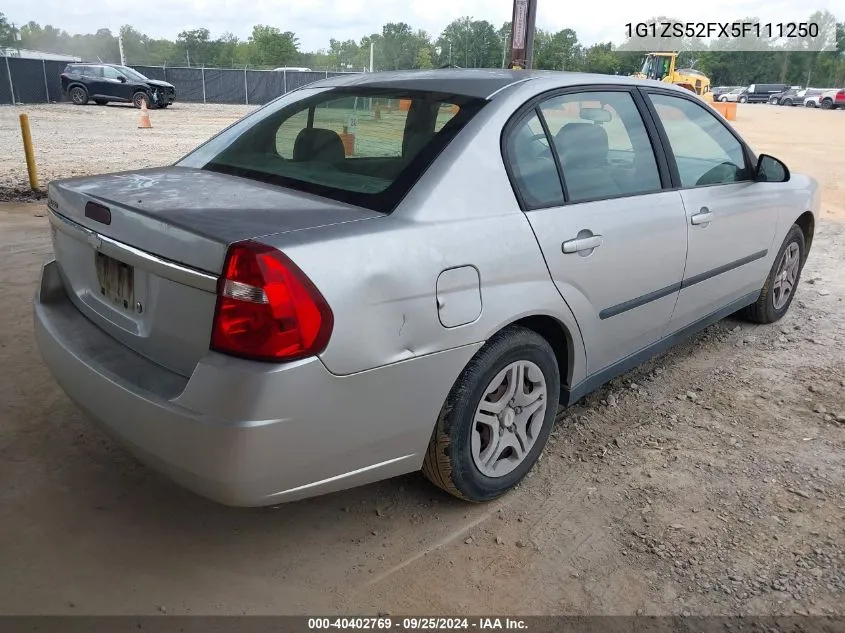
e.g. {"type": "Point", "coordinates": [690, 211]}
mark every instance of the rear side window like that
{"type": "Point", "coordinates": [533, 165]}
{"type": "Point", "coordinates": [603, 145]}
{"type": "Point", "coordinates": [364, 146]}
{"type": "Point", "coordinates": [92, 71]}
{"type": "Point", "coordinates": [599, 140]}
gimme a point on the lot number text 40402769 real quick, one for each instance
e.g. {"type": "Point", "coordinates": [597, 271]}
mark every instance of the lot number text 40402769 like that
{"type": "Point", "coordinates": [418, 624]}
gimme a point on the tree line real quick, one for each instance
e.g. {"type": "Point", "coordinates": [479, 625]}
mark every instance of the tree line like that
{"type": "Point", "coordinates": [465, 42]}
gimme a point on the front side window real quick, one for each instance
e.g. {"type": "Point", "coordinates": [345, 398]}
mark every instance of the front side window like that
{"type": "Point", "coordinates": [361, 145]}
{"type": "Point", "coordinates": [602, 145]}
{"type": "Point", "coordinates": [705, 151]}
{"type": "Point", "coordinates": [111, 73]}
{"type": "Point", "coordinates": [131, 73]}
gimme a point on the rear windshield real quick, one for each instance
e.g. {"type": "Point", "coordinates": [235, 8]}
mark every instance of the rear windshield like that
{"type": "Point", "coordinates": [363, 146]}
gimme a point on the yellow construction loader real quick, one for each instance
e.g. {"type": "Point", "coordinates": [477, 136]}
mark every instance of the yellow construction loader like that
{"type": "Point", "coordinates": [661, 67]}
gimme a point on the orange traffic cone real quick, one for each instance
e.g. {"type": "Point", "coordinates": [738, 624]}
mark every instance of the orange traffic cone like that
{"type": "Point", "coordinates": [145, 116]}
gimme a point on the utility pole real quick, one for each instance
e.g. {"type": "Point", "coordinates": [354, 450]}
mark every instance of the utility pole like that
{"type": "Point", "coordinates": [371, 57]}
{"type": "Point", "coordinates": [120, 45]}
{"type": "Point", "coordinates": [522, 33]}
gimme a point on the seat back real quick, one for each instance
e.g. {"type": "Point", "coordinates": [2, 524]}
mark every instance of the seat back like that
{"type": "Point", "coordinates": [318, 144]}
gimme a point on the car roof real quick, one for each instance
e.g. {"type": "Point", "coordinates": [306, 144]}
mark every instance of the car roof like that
{"type": "Point", "coordinates": [96, 64]}
{"type": "Point", "coordinates": [472, 82]}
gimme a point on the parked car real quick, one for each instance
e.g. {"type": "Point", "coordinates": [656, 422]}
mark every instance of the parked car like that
{"type": "Point", "coordinates": [789, 97]}
{"type": "Point", "coordinates": [287, 311]}
{"type": "Point", "coordinates": [103, 83]}
{"type": "Point", "coordinates": [832, 100]}
{"type": "Point", "coordinates": [813, 95]}
{"type": "Point", "coordinates": [720, 90]}
{"type": "Point", "coordinates": [737, 95]}
{"type": "Point", "coordinates": [760, 93]}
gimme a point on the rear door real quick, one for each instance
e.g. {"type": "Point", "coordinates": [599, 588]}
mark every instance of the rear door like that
{"type": "Point", "coordinates": [93, 77]}
{"type": "Point", "coordinates": [730, 218]}
{"type": "Point", "coordinates": [614, 241]}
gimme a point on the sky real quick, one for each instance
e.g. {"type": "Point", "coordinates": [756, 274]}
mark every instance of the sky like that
{"type": "Point", "coordinates": [316, 21]}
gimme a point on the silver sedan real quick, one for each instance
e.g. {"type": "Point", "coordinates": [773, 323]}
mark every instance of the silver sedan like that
{"type": "Point", "coordinates": [384, 273]}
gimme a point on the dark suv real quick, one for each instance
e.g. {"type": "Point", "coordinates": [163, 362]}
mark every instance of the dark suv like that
{"type": "Point", "coordinates": [793, 96]}
{"type": "Point", "coordinates": [102, 83]}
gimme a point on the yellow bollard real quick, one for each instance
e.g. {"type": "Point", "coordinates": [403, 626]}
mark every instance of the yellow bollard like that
{"type": "Point", "coordinates": [30, 154]}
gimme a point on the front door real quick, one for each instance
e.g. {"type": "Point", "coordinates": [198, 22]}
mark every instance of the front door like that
{"type": "Point", "coordinates": [115, 84]}
{"type": "Point", "coordinates": [613, 239]}
{"type": "Point", "coordinates": [731, 219]}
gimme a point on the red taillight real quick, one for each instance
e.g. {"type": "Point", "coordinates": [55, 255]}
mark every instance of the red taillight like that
{"type": "Point", "coordinates": [267, 309]}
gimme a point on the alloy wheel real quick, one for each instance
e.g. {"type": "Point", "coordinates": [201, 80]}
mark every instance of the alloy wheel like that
{"type": "Point", "coordinates": [786, 276]}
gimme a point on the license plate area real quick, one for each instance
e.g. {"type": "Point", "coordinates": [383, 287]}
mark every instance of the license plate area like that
{"type": "Point", "coordinates": [117, 281]}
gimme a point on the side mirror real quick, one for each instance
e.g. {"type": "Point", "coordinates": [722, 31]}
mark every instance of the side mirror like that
{"type": "Point", "coordinates": [121, 79]}
{"type": "Point", "coordinates": [770, 169]}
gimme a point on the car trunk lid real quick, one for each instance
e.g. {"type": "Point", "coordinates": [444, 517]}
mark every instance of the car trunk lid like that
{"type": "Point", "coordinates": [140, 252]}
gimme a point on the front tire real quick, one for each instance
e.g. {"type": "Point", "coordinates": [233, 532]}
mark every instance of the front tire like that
{"type": "Point", "coordinates": [497, 417]}
{"type": "Point", "coordinates": [782, 282]}
{"type": "Point", "coordinates": [827, 104]}
{"type": "Point", "coordinates": [743, 99]}
{"type": "Point", "coordinates": [78, 95]}
{"type": "Point", "coordinates": [139, 97]}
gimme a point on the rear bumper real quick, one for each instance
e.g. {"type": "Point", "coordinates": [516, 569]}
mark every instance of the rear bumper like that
{"type": "Point", "coordinates": [244, 433]}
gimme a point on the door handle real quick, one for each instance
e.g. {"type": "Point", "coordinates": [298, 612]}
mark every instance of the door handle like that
{"type": "Point", "coordinates": [582, 244]}
{"type": "Point", "coordinates": [704, 216]}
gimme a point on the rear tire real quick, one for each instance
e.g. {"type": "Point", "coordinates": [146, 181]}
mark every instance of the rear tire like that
{"type": "Point", "coordinates": [773, 302]}
{"type": "Point", "coordinates": [458, 450]}
{"type": "Point", "coordinates": [139, 97]}
{"type": "Point", "coordinates": [78, 95]}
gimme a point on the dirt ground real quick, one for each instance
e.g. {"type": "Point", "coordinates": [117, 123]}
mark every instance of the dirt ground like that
{"type": "Point", "coordinates": [709, 481]}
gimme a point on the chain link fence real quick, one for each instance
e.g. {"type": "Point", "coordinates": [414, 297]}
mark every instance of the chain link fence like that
{"type": "Point", "coordinates": [39, 81]}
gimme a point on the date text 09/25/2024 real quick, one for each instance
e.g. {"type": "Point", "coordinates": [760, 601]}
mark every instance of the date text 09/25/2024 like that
{"type": "Point", "coordinates": [417, 624]}
{"type": "Point", "coordinates": [788, 30]}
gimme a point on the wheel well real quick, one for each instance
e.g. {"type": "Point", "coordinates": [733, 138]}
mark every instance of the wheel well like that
{"type": "Point", "coordinates": [77, 85]}
{"type": "Point", "coordinates": [807, 225]}
{"type": "Point", "coordinates": [558, 337]}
